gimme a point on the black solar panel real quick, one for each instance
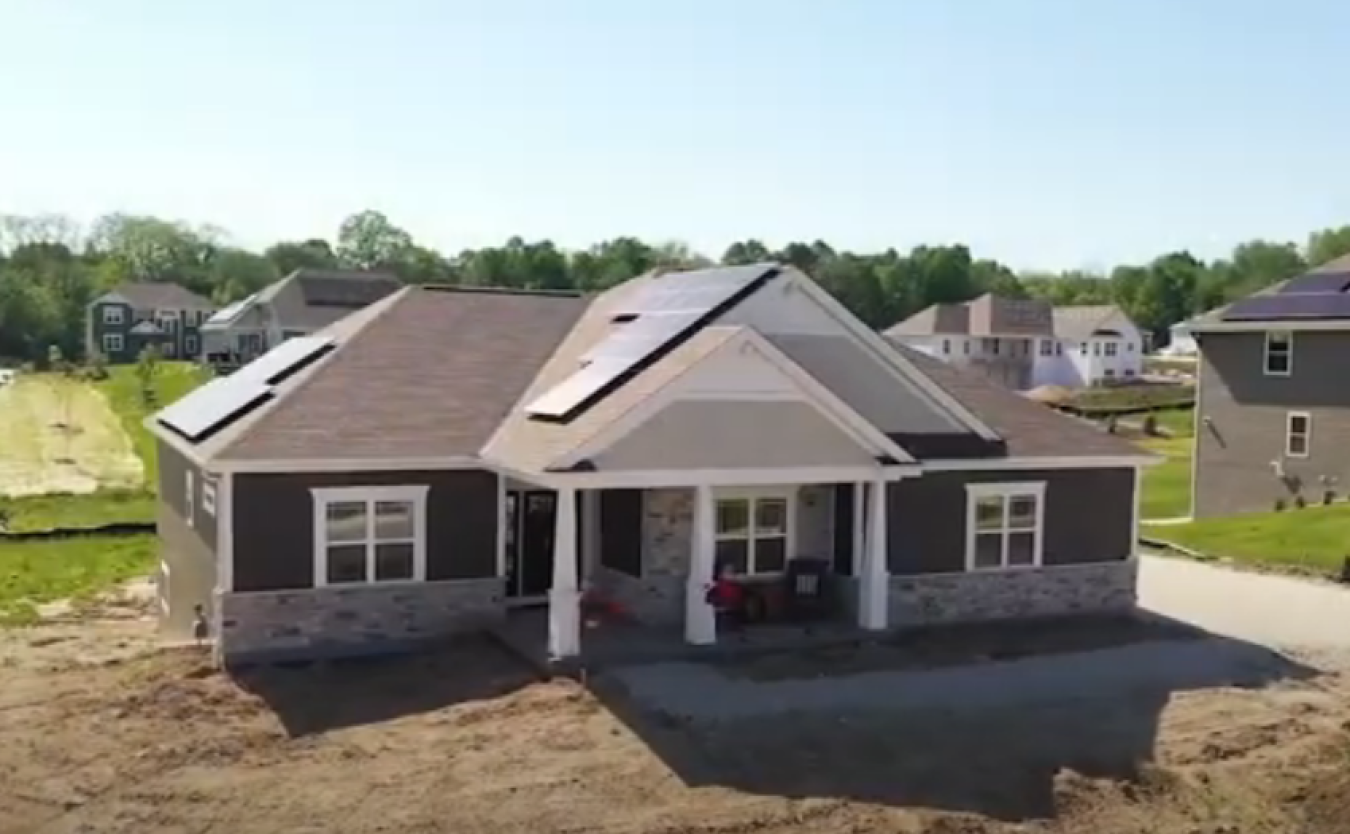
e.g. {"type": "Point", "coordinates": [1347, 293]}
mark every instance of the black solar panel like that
{"type": "Point", "coordinates": [213, 405]}
{"type": "Point", "coordinates": [286, 358]}
{"type": "Point", "coordinates": [1286, 306]}
{"type": "Point", "coordinates": [657, 318]}
{"type": "Point", "coordinates": [1317, 282]}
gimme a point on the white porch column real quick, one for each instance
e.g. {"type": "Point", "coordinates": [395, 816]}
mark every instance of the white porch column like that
{"type": "Point", "coordinates": [700, 622]}
{"type": "Point", "coordinates": [564, 597]}
{"type": "Point", "coordinates": [874, 584]}
{"type": "Point", "coordinates": [859, 531]}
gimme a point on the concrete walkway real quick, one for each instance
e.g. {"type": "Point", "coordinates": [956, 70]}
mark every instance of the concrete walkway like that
{"type": "Point", "coordinates": [1276, 611]}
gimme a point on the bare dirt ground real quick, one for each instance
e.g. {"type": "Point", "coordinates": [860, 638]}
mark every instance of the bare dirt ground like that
{"type": "Point", "coordinates": [468, 740]}
{"type": "Point", "coordinates": [61, 436]}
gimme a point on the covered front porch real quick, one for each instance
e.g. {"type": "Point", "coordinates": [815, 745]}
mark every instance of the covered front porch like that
{"type": "Point", "coordinates": [631, 558]}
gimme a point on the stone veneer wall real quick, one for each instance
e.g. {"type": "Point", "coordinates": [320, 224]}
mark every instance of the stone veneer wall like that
{"type": "Point", "coordinates": [1101, 587]}
{"type": "Point", "coordinates": [338, 621]}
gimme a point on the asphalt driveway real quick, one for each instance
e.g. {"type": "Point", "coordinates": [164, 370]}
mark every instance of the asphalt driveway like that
{"type": "Point", "coordinates": [1275, 611]}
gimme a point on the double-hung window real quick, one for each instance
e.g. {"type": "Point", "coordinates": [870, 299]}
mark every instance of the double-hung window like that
{"type": "Point", "coordinates": [1297, 434]}
{"type": "Point", "coordinates": [369, 535]}
{"type": "Point", "coordinates": [112, 343]}
{"type": "Point", "coordinates": [112, 314]}
{"type": "Point", "coordinates": [1047, 347]}
{"type": "Point", "coordinates": [753, 533]}
{"type": "Point", "coordinates": [1279, 353]}
{"type": "Point", "coordinates": [1004, 525]}
{"type": "Point", "coordinates": [1111, 348]}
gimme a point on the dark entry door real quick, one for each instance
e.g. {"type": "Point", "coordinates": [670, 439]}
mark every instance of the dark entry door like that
{"type": "Point", "coordinates": [530, 522]}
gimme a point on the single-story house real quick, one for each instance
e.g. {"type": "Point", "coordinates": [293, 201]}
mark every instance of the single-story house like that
{"type": "Point", "coordinates": [448, 454]}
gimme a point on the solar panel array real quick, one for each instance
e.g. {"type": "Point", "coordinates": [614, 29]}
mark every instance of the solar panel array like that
{"type": "Point", "coordinates": [209, 407]}
{"type": "Point", "coordinates": [1323, 282]}
{"type": "Point", "coordinates": [1288, 306]}
{"type": "Point", "coordinates": [285, 358]}
{"type": "Point", "coordinates": [656, 318]}
{"type": "Point", "coordinates": [220, 401]}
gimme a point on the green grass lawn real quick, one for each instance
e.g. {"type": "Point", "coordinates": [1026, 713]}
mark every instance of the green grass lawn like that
{"type": "Point", "coordinates": [1314, 539]}
{"type": "Point", "coordinates": [123, 390]}
{"type": "Point", "coordinates": [34, 572]}
{"type": "Point", "coordinates": [1167, 486]}
{"type": "Point", "coordinates": [50, 512]}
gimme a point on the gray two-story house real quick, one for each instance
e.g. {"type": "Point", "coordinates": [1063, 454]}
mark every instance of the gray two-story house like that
{"type": "Point", "coordinates": [303, 302]}
{"type": "Point", "coordinates": [1273, 402]}
{"type": "Point", "coordinates": [121, 323]}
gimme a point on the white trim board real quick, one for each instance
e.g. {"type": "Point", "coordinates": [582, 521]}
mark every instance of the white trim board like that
{"type": "Point", "coordinates": [726, 477]}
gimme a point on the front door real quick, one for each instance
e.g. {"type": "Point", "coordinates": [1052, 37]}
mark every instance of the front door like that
{"type": "Point", "coordinates": [530, 526]}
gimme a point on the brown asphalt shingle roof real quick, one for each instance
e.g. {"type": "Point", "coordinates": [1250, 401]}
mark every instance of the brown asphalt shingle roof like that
{"type": "Point", "coordinates": [446, 373]}
{"type": "Point", "coordinates": [424, 373]}
{"type": "Point", "coordinates": [162, 296]}
{"type": "Point", "coordinates": [1029, 428]}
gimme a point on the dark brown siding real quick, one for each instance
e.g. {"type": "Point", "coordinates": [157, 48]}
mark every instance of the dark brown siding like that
{"type": "Point", "coordinates": [843, 528]}
{"type": "Point", "coordinates": [1243, 416]}
{"type": "Point", "coordinates": [621, 530]}
{"type": "Point", "coordinates": [173, 472]}
{"type": "Point", "coordinates": [274, 524]}
{"type": "Point", "coordinates": [1089, 517]}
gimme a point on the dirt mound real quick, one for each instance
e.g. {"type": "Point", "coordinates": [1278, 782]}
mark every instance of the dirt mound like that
{"type": "Point", "coordinates": [1049, 394]}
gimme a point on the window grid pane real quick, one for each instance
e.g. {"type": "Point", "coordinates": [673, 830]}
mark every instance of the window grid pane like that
{"type": "Point", "coordinates": [346, 521]}
{"type": "Point", "coordinates": [394, 562]}
{"type": "Point", "coordinates": [988, 550]}
{"type": "Point", "coordinates": [733, 518]}
{"type": "Point", "coordinates": [1021, 549]}
{"type": "Point", "coordinates": [733, 554]}
{"type": "Point", "coordinates": [394, 521]}
{"type": "Point", "coordinates": [989, 513]}
{"type": "Point", "coordinates": [1022, 512]}
{"type": "Point", "coordinates": [771, 516]}
{"type": "Point", "coordinates": [770, 554]}
{"type": "Point", "coordinates": [346, 564]}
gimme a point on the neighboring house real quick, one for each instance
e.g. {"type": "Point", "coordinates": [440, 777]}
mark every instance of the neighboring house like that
{"type": "Point", "coordinates": [1025, 343]}
{"type": "Point", "coordinates": [303, 302]}
{"type": "Point", "coordinates": [434, 461]}
{"type": "Point", "coordinates": [121, 323]}
{"type": "Point", "coordinates": [1181, 341]}
{"type": "Point", "coordinates": [1272, 402]}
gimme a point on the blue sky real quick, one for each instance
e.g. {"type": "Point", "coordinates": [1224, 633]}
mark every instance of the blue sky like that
{"type": "Point", "coordinates": [1046, 133]}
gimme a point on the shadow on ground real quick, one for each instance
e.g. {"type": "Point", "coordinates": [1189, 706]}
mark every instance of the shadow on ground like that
{"type": "Point", "coordinates": [986, 738]}
{"type": "Point", "coordinates": [327, 695]}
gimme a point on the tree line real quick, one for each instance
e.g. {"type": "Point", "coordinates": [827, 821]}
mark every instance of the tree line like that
{"type": "Point", "coordinates": [51, 268]}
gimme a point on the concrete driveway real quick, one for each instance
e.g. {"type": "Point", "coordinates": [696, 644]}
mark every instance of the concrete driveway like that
{"type": "Point", "coordinates": [1275, 611]}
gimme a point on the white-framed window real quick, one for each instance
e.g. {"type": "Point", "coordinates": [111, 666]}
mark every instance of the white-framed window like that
{"type": "Point", "coordinates": [1111, 348]}
{"type": "Point", "coordinates": [1059, 348]}
{"type": "Point", "coordinates": [208, 497]}
{"type": "Point", "coordinates": [1005, 525]}
{"type": "Point", "coordinates": [189, 497]}
{"type": "Point", "coordinates": [167, 319]}
{"type": "Point", "coordinates": [1297, 434]}
{"type": "Point", "coordinates": [112, 343]}
{"type": "Point", "coordinates": [1047, 347]}
{"type": "Point", "coordinates": [1096, 348]}
{"type": "Point", "coordinates": [113, 314]}
{"type": "Point", "coordinates": [753, 532]}
{"type": "Point", "coordinates": [1279, 353]}
{"type": "Point", "coordinates": [1083, 348]}
{"type": "Point", "coordinates": [190, 345]}
{"type": "Point", "coordinates": [965, 347]}
{"type": "Point", "coordinates": [370, 535]}
{"type": "Point", "coordinates": [946, 347]}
